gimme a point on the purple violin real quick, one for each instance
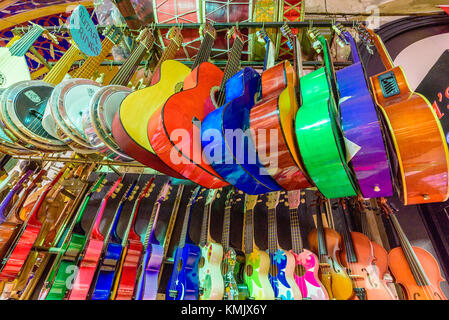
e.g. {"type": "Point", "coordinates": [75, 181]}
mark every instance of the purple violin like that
{"type": "Point", "coordinates": [361, 126]}
{"type": "Point", "coordinates": [15, 190]}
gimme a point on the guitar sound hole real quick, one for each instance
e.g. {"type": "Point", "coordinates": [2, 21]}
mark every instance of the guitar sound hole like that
{"type": "Point", "coordinates": [179, 265]}
{"type": "Point", "coordinates": [300, 270]}
{"type": "Point", "coordinates": [249, 270]}
{"type": "Point", "coordinates": [201, 263]}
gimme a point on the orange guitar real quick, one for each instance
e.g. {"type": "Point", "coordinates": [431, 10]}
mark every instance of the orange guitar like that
{"type": "Point", "coordinates": [414, 133]}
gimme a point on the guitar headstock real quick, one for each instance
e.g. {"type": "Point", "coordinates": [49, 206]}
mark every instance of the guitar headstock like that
{"type": "Point", "coordinates": [115, 189]}
{"type": "Point", "coordinates": [147, 189]}
{"type": "Point", "coordinates": [165, 191]}
{"type": "Point", "coordinates": [263, 36]}
{"type": "Point", "coordinates": [146, 38]}
{"type": "Point", "coordinates": [175, 35]}
{"type": "Point", "coordinates": [294, 199]}
{"type": "Point", "coordinates": [340, 30]}
{"type": "Point", "coordinates": [250, 201]}
{"type": "Point", "coordinates": [229, 198]}
{"type": "Point", "coordinates": [208, 28]}
{"type": "Point", "coordinates": [234, 33]}
{"type": "Point", "coordinates": [126, 196]}
{"type": "Point", "coordinates": [196, 192]}
{"type": "Point", "coordinates": [211, 194]}
{"type": "Point", "coordinates": [316, 39]}
{"type": "Point", "coordinates": [288, 33]}
{"type": "Point", "coordinates": [273, 199]}
{"type": "Point", "coordinates": [38, 179]}
{"type": "Point", "coordinates": [99, 183]}
{"type": "Point", "coordinates": [366, 36]}
{"type": "Point", "coordinates": [113, 33]}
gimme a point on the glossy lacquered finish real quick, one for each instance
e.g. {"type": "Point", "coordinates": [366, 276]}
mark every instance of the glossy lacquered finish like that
{"type": "Point", "coordinates": [361, 126]}
{"type": "Point", "coordinates": [173, 135]}
{"type": "Point", "coordinates": [236, 160]}
{"type": "Point", "coordinates": [276, 112]}
{"type": "Point", "coordinates": [6, 203]}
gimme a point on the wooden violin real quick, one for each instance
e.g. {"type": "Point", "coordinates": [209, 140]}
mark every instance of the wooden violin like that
{"type": "Point", "coordinates": [414, 268]}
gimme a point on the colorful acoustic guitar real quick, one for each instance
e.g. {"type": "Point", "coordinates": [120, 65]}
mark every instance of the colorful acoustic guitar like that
{"type": "Point", "coordinates": [414, 268]}
{"type": "Point", "coordinates": [130, 124]}
{"type": "Point", "coordinates": [182, 112]}
{"type": "Point", "coordinates": [127, 272]}
{"type": "Point", "coordinates": [420, 164]}
{"type": "Point", "coordinates": [306, 262]}
{"type": "Point", "coordinates": [233, 264]}
{"type": "Point", "coordinates": [7, 202]}
{"type": "Point", "coordinates": [276, 113]}
{"type": "Point", "coordinates": [282, 263]}
{"type": "Point", "coordinates": [235, 158]}
{"type": "Point", "coordinates": [209, 273]}
{"type": "Point", "coordinates": [317, 124]}
{"type": "Point", "coordinates": [92, 250]}
{"type": "Point", "coordinates": [257, 262]}
{"type": "Point", "coordinates": [183, 283]}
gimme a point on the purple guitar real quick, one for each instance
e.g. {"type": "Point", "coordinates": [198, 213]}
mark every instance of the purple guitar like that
{"type": "Point", "coordinates": [15, 190]}
{"type": "Point", "coordinates": [361, 126]}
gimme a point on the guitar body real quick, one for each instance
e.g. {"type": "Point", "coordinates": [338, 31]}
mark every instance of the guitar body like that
{"type": "Point", "coordinates": [233, 267]}
{"type": "Point", "coordinates": [332, 275]}
{"type": "Point", "coordinates": [106, 272]}
{"type": "Point", "coordinates": [401, 271]}
{"type": "Point", "coordinates": [209, 272]}
{"type": "Point", "coordinates": [256, 275]}
{"type": "Point", "coordinates": [184, 278]}
{"type": "Point", "coordinates": [317, 124]}
{"type": "Point", "coordinates": [12, 68]}
{"type": "Point", "coordinates": [130, 124]}
{"type": "Point", "coordinates": [126, 286]}
{"type": "Point", "coordinates": [277, 111]}
{"type": "Point", "coordinates": [177, 114]}
{"type": "Point", "coordinates": [282, 281]}
{"type": "Point", "coordinates": [235, 165]}
{"type": "Point", "coordinates": [423, 160]}
{"type": "Point", "coordinates": [307, 277]}
{"type": "Point", "coordinates": [360, 124]}
{"type": "Point", "coordinates": [152, 262]}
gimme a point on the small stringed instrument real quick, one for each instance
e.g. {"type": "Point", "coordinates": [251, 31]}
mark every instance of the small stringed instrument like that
{"type": "Point", "coordinates": [317, 123]}
{"type": "Point", "coordinates": [257, 262]}
{"type": "Point", "coordinates": [7, 202]}
{"type": "Point", "coordinates": [134, 246]}
{"type": "Point", "coordinates": [112, 252]}
{"type": "Point", "coordinates": [420, 164]}
{"type": "Point", "coordinates": [282, 263]}
{"type": "Point", "coordinates": [183, 283]}
{"type": "Point", "coordinates": [361, 125]}
{"type": "Point", "coordinates": [414, 268]}
{"type": "Point", "coordinates": [325, 242]}
{"type": "Point", "coordinates": [92, 250]}
{"type": "Point", "coordinates": [230, 159]}
{"type": "Point", "coordinates": [209, 273]}
{"type": "Point", "coordinates": [233, 264]}
{"type": "Point", "coordinates": [306, 262]}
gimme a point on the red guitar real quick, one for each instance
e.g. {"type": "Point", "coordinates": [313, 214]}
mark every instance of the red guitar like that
{"type": "Point", "coordinates": [15, 258]}
{"type": "Point", "coordinates": [174, 131]}
{"type": "Point", "coordinates": [133, 251]}
{"type": "Point", "coordinates": [93, 250]}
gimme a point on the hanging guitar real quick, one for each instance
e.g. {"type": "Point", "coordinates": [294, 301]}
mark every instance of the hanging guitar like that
{"type": "Point", "coordinates": [183, 282]}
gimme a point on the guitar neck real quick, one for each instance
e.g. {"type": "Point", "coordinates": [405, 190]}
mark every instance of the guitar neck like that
{"type": "Point", "coordinates": [226, 228]}
{"type": "Point", "coordinates": [171, 223]}
{"type": "Point", "coordinates": [204, 51]}
{"type": "Point", "coordinates": [169, 53]}
{"type": "Point", "coordinates": [384, 55]}
{"type": "Point", "coordinates": [185, 226]}
{"type": "Point", "coordinates": [297, 244]}
{"type": "Point", "coordinates": [130, 232]}
{"type": "Point", "coordinates": [249, 231]}
{"type": "Point", "coordinates": [272, 231]}
{"type": "Point", "coordinates": [128, 69]}
{"type": "Point", "coordinates": [322, 250]}
{"type": "Point", "coordinates": [354, 49]}
{"type": "Point", "coordinates": [60, 69]}
{"type": "Point", "coordinates": [91, 65]}
{"type": "Point", "coordinates": [21, 46]}
{"type": "Point", "coordinates": [205, 225]}
{"type": "Point", "coordinates": [149, 234]}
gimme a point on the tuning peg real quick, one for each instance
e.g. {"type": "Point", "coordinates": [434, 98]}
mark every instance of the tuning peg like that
{"type": "Point", "coordinates": [113, 195]}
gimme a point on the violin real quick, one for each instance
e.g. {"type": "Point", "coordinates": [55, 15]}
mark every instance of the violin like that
{"type": "Point", "coordinates": [325, 242]}
{"type": "Point", "coordinates": [414, 268]}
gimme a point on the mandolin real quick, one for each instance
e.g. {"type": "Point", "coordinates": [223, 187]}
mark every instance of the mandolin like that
{"type": "Point", "coordinates": [112, 252]}
{"type": "Point", "coordinates": [325, 242]}
{"type": "Point", "coordinates": [129, 126]}
{"type": "Point", "coordinates": [97, 119]}
{"type": "Point", "coordinates": [257, 262]}
{"type": "Point", "coordinates": [276, 113]}
{"type": "Point", "coordinates": [282, 263]}
{"type": "Point", "coordinates": [155, 251]}
{"type": "Point", "coordinates": [55, 285]}
{"type": "Point", "coordinates": [360, 123]}
{"type": "Point", "coordinates": [306, 262]}
{"type": "Point", "coordinates": [209, 273]}
{"type": "Point", "coordinates": [233, 264]}
{"type": "Point", "coordinates": [126, 278]}
{"type": "Point", "coordinates": [182, 112]}
{"type": "Point", "coordinates": [92, 250]}
{"type": "Point", "coordinates": [414, 268]}
{"type": "Point", "coordinates": [317, 123]}
{"type": "Point", "coordinates": [420, 164]}
{"type": "Point", "coordinates": [228, 155]}
{"type": "Point", "coordinates": [183, 282]}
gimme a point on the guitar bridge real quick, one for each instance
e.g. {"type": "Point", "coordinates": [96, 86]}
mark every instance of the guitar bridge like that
{"type": "Point", "coordinates": [360, 293]}
{"type": "Point", "coordinates": [389, 84]}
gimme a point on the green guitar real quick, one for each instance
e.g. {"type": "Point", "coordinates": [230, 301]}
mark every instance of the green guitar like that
{"type": "Point", "coordinates": [318, 130]}
{"type": "Point", "coordinates": [70, 246]}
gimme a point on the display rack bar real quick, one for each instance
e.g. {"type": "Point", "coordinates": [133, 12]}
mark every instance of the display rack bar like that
{"type": "Point", "coordinates": [87, 161]}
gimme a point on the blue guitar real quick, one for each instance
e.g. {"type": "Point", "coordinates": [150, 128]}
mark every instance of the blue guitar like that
{"type": "Point", "coordinates": [109, 261]}
{"type": "Point", "coordinates": [235, 158]}
{"type": "Point", "coordinates": [183, 283]}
